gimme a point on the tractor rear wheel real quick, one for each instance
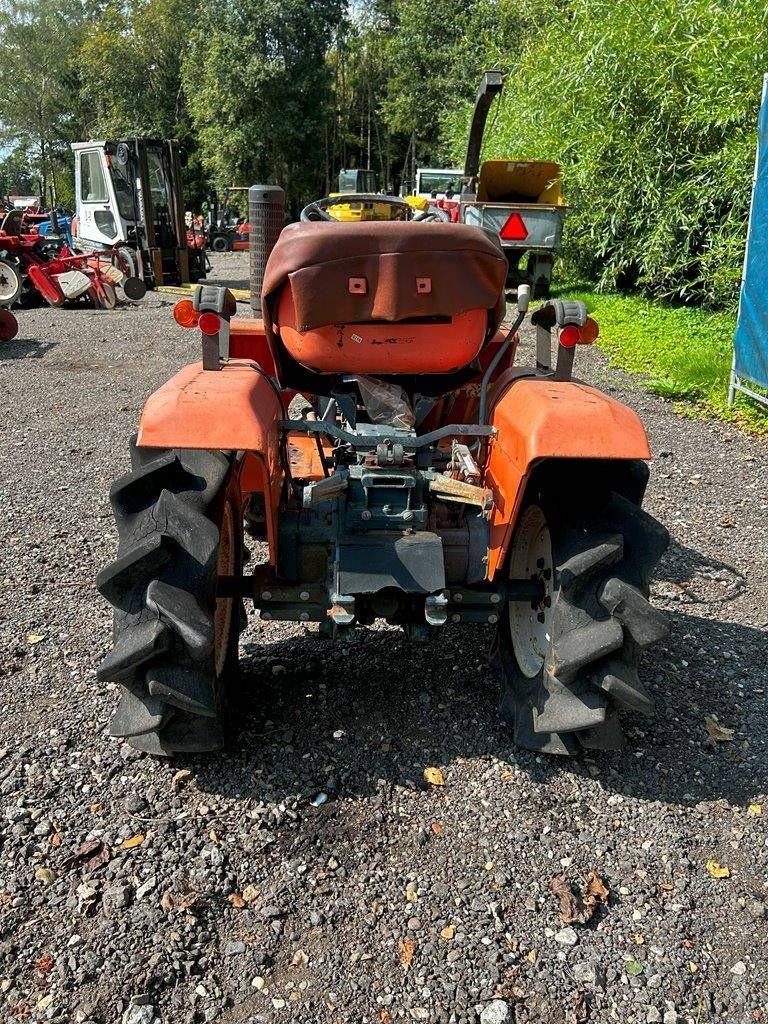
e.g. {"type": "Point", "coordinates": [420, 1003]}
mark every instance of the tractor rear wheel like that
{"type": "Point", "coordinates": [179, 522]}
{"type": "Point", "coordinates": [10, 281]}
{"type": "Point", "coordinates": [568, 662]}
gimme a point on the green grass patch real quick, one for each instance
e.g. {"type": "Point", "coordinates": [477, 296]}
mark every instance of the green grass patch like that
{"type": "Point", "coordinates": [683, 353]}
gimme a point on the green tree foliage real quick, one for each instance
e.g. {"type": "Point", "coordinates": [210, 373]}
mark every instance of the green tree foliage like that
{"type": "Point", "coordinates": [17, 176]}
{"type": "Point", "coordinates": [130, 65]}
{"type": "Point", "coordinates": [435, 57]}
{"type": "Point", "coordinates": [259, 90]}
{"type": "Point", "coordinates": [651, 108]}
{"type": "Point", "coordinates": [357, 135]}
{"type": "Point", "coordinates": [41, 110]}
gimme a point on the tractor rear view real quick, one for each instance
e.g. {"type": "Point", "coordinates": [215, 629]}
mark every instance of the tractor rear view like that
{"type": "Point", "coordinates": [373, 429]}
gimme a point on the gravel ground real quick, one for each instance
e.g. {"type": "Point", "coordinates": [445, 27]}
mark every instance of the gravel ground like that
{"type": "Point", "coordinates": [215, 890]}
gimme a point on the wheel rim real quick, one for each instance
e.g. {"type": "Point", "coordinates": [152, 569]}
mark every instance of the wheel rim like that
{"type": "Point", "coordinates": [9, 283]}
{"type": "Point", "coordinates": [222, 621]}
{"type": "Point", "coordinates": [108, 298]}
{"type": "Point", "coordinates": [530, 625]}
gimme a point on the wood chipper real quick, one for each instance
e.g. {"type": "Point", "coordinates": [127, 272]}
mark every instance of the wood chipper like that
{"type": "Point", "coordinates": [129, 197]}
{"type": "Point", "coordinates": [520, 200]}
{"type": "Point", "coordinates": [374, 430]}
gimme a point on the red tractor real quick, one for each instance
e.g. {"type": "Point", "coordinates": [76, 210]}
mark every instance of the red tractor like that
{"type": "Point", "coordinates": [374, 431]}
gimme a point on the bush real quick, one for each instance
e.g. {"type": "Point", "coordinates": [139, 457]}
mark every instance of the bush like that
{"type": "Point", "coordinates": [651, 109]}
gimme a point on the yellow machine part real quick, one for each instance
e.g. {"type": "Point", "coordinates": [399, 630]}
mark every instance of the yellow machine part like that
{"type": "Point", "coordinates": [357, 211]}
{"type": "Point", "coordinates": [520, 181]}
{"type": "Point", "coordinates": [419, 203]}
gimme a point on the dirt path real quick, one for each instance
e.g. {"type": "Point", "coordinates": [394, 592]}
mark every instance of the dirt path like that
{"type": "Point", "coordinates": [389, 902]}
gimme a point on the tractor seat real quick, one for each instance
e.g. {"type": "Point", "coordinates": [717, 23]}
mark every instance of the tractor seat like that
{"type": "Point", "coordinates": [381, 297]}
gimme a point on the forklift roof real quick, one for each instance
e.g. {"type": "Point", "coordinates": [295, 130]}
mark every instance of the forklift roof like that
{"type": "Point", "coordinates": [145, 139]}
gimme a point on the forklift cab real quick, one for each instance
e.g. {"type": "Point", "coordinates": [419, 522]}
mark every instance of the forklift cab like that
{"type": "Point", "coordinates": [128, 196]}
{"type": "Point", "coordinates": [358, 180]}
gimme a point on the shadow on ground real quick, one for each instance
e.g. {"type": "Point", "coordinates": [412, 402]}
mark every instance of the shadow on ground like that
{"type": "Point", "coordinates": [698, 578]}
{"type": "Point", "coordinates": [25, 348]}
{"type": "Point", "coordinates": [345, 718]}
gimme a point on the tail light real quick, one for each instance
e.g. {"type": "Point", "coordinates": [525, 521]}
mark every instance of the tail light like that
{"type": "Point", "coordinates": [514, 229]}
{"type": "Point", "coordinates": [185, 314]}
{"type": "Point", "coordinates": [570, 336]}
{"type": "Point", "coordinates": [209, 323]}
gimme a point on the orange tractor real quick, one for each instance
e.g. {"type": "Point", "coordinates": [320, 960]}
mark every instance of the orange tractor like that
{"type": "Point", "coordinates": [372, 427]}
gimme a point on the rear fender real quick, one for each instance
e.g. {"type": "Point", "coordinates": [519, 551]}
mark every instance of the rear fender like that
{"type": "Point", "coordinates": [539, 419]}
{"type": "Point", "coordinates": [237, 408]}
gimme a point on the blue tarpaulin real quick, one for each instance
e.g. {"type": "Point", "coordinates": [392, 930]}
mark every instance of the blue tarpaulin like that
{"type": "Point", "coordinates": [750, 359]}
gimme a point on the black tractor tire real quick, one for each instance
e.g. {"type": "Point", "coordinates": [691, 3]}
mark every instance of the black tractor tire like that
{"type": "Point", "coordinates": [180, 526]}
{"type": "Point", "coordinates": [569, 663]}
{"type": "Point", "coordinates": [220, 243]}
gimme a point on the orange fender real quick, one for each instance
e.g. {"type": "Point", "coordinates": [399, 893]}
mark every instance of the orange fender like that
{"type": "Point", "coordinates": [538, 419]}
{"type": "Point", "coordinates": [236, 409]}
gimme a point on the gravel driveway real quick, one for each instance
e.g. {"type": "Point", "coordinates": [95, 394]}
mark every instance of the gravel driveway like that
{"type": "Point", "coordinates": [211, 889]}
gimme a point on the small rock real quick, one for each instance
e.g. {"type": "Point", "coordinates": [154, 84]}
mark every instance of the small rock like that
{"type": "Point", "coordinates": [495, 1012]}
{"type": "Point", "coordinates": [585, 973]}
{"type": "Point", "coordinates": [146, 887]}
{"type": "Point", "coordinates": [116, 898]}
{"type": "Point", "coordinates": [234, 948]}
{"type": "Point", "coordinates": [139, 1014]}
{"type": "Point", "coordinates": [739, 968]}
{"type": "Point", "coordinates": [269, 913]}
{"type": "Point", "coordinates": [566, 937]}
{"type": "Point", "coordinates": [653, 1015]}
{"type": "Point", "coordinates": [134, 803]}
{"type": "Point", "coordinates": [45, 875]}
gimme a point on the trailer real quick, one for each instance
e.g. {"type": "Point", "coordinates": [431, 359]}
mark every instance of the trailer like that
{"type": "Point", "coordinates": [521, 201]}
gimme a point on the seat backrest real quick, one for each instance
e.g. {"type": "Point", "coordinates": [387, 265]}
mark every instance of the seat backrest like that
{"type": "Point", "coordinates": [381, 297]}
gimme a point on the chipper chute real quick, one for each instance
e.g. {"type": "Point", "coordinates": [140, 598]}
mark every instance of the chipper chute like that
{"type": "Point", "coordinates": [373, 430]}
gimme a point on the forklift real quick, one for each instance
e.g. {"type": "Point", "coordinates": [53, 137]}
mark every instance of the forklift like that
{"type": "Point", "coordinates": [225, 229]}
{"type": "Point", "coordinates": [129, 200]}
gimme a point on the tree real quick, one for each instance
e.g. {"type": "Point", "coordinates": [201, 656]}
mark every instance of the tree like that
{"type": "Point", "coordinates": [16, 175]}
{"type": "Point", "coordinates": [38, 82]}
{"type": "Point", "coordinates": [435, 58]}
{"type": "Point", "coordinates": [259, 91]}
{"type": "Point", "coordinates": [130, 64]}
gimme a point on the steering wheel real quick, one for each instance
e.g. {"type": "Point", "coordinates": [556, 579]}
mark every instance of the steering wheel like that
{"type": "Point", "coordinates": [318, 210]}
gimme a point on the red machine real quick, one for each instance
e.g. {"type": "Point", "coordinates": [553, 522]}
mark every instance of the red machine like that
{"type": "Point", "coordinates": [32, 263]}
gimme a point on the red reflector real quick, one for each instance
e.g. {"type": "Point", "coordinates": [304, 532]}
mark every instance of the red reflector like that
{"type": "Point", "coordinates": [209, 323]}
{"type": "Point", "coordinates": [514, 229]}
{"type": "Point", "coordinates": [570, 336]}
{"type": "Point", "coordinates": [185, 314]}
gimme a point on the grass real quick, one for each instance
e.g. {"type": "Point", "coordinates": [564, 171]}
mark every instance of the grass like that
{"type": "Point", "coordinates": [683, 353]}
